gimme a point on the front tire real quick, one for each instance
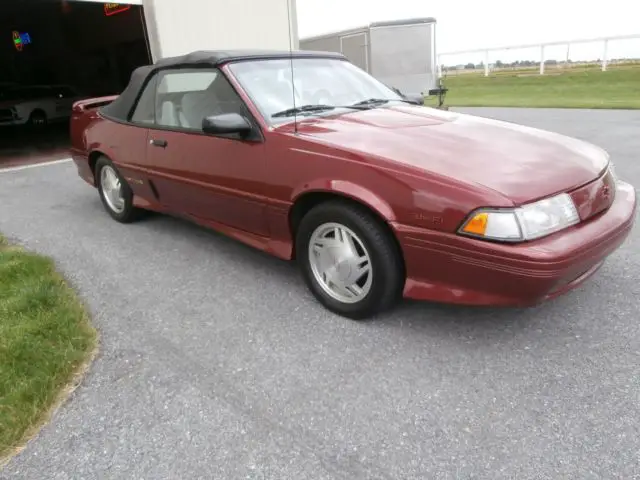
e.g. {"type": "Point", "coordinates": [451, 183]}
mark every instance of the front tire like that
{"type": "Point", "coordinates": [349, 260]}
{"type": "Point", "coordinates": [115, 193]}
{"type": "Point", "coordinates": [38, 120]}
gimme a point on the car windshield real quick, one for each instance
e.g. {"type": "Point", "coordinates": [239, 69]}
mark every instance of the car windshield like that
{"type": "Point", "coordinates": [321, 85]}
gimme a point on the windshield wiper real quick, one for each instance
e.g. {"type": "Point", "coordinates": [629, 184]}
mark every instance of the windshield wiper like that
{"type": "Point", "coordinates": [303, 109]}
{"type": "Point", "coordinates": [374, 102]}
{"type": "Point", "coordinates": [315, 108]}
{"type": "Point", "coordinates": [371, 101]}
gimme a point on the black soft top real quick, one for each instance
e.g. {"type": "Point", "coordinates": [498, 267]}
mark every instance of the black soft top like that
{"type": "Point", "coordinates": [121, 108]}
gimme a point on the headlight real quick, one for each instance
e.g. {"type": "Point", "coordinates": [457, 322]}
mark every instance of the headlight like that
{"type": "Point", "coordinates": [524, 223]}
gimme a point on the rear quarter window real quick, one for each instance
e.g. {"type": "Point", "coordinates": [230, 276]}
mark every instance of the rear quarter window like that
{"type": "Point", "coordinates": [145, 110]}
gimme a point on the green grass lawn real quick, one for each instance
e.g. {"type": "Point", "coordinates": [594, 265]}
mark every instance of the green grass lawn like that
{"type": "Point", "coordinates": [589, 88]}
{"type": "Point", "coordinates": [45, 341]}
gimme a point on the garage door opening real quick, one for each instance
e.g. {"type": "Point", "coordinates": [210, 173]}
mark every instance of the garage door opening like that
{"type": "Point", "coordinates": [52, 53]}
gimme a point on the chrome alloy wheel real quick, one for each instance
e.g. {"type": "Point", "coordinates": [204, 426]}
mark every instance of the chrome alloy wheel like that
{"type": "Point", "coordinates": [112, 189]}
{"type": "Point", "coordinates": [340, 263]}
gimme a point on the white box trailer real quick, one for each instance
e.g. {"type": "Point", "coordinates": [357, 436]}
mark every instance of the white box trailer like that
{"type": "Point", "coordinates": [401, 53]}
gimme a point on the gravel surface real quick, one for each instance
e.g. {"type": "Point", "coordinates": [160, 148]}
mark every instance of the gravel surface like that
{"type": "Point", "coordinates": [215, 362]}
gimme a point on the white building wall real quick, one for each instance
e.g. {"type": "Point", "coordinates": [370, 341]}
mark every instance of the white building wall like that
{"type": "Point", "coordinates": [177, 27]}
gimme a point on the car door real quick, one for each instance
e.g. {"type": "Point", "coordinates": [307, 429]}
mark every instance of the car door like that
{"type": "Point", "coordinates": [210, 177]}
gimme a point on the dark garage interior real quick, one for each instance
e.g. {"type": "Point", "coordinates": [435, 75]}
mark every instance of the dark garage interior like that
{"type": "Point", "coordinates": [53, 52]}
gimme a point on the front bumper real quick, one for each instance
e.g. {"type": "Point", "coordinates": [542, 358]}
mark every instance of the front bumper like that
{"type": "Point", "coordinates": [12, 122]}
{"type": "Point", "coordinates": [9, 117]}
{"type": "Point", "coordinates": [454, 269]}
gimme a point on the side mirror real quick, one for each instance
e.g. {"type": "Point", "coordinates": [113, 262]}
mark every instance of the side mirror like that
{"type": "Point", "coordinates": [415, 98]}
{"type": "Point", "coordinates": [227, 124]}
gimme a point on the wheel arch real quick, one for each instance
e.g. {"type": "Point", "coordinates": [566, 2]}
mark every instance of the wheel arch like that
{"type": "Point", "coordinates": [378, 208]}
{"type": "Point", "coordinates": [346, 190]}
{"type": "Point", "coordinates": [37, 110]}
{"type": "Point", "coordinates": [93, 157]}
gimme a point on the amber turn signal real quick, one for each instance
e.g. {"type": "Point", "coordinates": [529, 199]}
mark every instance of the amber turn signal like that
{"type": "Point", "coordinates": [477, 225]}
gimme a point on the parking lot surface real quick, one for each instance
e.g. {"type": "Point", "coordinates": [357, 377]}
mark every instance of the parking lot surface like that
{"type": "Point", "coordinates": [215, 362]}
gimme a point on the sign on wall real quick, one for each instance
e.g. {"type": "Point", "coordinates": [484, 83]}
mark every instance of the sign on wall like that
{"type": "Point", "coordinates": [20, 40]}
{"type": "Point", "coordinates": [115, 8]}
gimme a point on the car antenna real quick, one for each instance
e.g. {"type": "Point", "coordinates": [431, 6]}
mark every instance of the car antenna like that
{"type": "Point", "coordinates": [293, 85]}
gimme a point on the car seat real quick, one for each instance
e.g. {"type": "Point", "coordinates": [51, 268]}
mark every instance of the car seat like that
{"type": "Point", "coordinates": [218, 98]}
{"type": "Point", "coordinates": [169, 114]}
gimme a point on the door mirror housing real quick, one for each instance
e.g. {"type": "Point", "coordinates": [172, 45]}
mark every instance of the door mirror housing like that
{"type": "Point", "coordinates": [227, 124]}
{"type": "Point", "coordinates": [415, 98]}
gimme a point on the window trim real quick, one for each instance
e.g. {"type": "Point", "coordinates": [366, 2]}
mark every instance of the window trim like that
{"type": "Point", "coordinates": [258, 135]}
{"type": "Point", "coordinates": [136, 104]}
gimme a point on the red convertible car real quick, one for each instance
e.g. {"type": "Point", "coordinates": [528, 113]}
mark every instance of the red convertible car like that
{"type": "Point", "coordinates": [374, 196]}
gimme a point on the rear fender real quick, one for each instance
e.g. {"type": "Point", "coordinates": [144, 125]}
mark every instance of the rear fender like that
{"type": "Point", "coordinates": [84, 113]}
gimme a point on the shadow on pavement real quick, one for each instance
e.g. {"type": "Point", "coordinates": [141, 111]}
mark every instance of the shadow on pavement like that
{"type": "Point", "coordinates": [24, 146]}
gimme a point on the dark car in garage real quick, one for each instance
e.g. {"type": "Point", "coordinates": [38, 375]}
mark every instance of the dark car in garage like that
{"type": "Point", "coordinates": [37, 105]}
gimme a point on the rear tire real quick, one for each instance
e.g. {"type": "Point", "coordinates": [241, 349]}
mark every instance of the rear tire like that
{"type": "Point", "coordinates": [349, 260]}
{"type": "Point", "coordinates": [115, 193]}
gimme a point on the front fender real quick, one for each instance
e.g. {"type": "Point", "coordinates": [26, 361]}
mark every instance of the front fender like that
{"type": "Point", "coordinates": [347, 189]}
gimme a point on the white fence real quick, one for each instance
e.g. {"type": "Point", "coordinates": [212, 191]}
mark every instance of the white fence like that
{"type": "Point", "coordinates": [631, 49]}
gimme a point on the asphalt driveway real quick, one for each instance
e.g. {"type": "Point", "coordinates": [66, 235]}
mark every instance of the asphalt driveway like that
{"type": "Point", "coordinates": [216, 363]}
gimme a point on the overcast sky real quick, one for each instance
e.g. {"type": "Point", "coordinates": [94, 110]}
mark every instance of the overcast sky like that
{"type": "Point", "coordinates": [468, 24]}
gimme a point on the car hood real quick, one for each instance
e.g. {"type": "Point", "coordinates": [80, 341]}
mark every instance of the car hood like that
{"type": "Point", "coordinates": [521, 163]}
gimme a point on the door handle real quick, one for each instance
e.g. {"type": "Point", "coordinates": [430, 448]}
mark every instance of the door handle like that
{"type": "Point", "coordinates": [158, 143]}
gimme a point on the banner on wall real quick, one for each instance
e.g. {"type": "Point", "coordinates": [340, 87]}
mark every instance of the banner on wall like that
{"type": "Point", "coordinates": [20, 39]}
